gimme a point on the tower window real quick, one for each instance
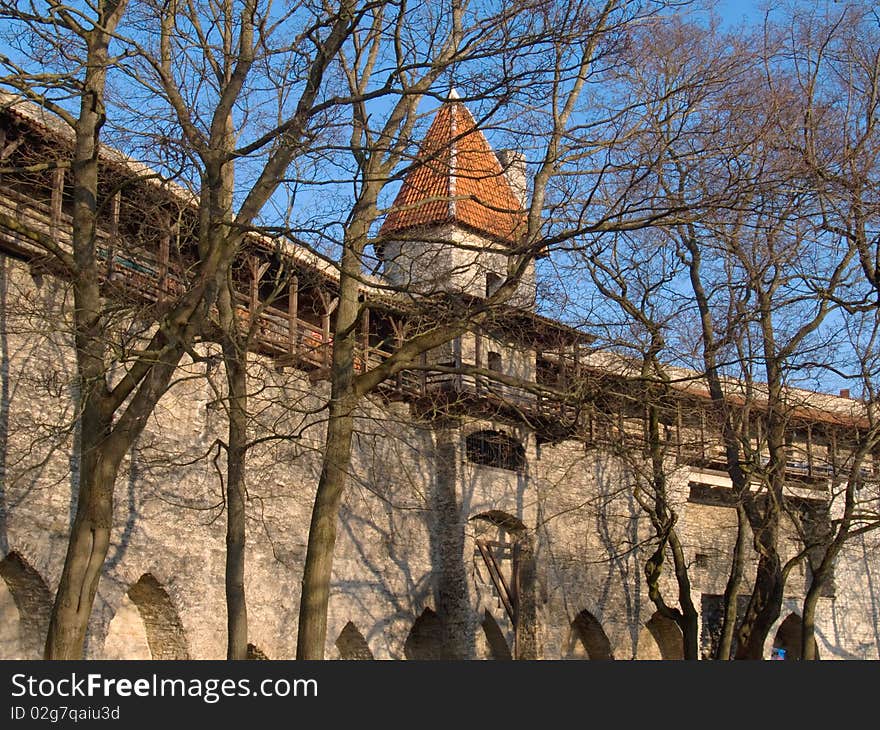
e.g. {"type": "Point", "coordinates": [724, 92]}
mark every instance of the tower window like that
{"type": "Point", "coordinates": [494, 361]}
{"type": "Point", "coordinates": [493, 448]}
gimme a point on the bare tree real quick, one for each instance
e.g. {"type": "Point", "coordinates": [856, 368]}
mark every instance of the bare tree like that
{"type": "Point", "coordinates": [582, 43]}
{"type": "Point", "coordinates": [834, 61]}
{"type": "Point", "coordinates": [113, 412]}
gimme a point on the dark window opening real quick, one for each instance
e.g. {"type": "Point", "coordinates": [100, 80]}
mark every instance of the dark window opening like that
{"type": "Point", "coordinates": [701, 560]}
{"type": "Point", "coordinates": [712, 615]}
{"type": "Point", "coordinates": [712, 495]}
{"type": "Point", "coordinates": [491, 448]}
{"type": "Point", "coordinates": [494, 361]}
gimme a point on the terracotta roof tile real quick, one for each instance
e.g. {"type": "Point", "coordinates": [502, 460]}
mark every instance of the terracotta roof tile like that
{"type": "Point", "coordinates": [457, 179]}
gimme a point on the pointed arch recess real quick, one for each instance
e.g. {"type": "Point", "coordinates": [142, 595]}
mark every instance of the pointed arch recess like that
{"type": "Point", "coordinates": [32, 600]}
{"type": "Point", "coordinates": [352, 644]}
{"type": "Point", "coordinates": [587, 639]}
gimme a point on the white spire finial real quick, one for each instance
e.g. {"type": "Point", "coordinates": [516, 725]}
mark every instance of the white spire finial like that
{"type": "Point", "coordinates": [453, 94]}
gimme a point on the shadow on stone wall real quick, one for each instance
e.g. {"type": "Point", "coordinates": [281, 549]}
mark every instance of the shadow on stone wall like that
{"type": "Point", "coordinates": [4, 405]}
{"type": "Point", "coordinates": [32, 602]}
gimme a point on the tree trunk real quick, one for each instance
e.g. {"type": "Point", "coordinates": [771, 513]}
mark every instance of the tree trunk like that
{"type": "Point", "coordinates": [318, 567]}
{"type": "Point", "coordinates": [731, 590]}
{"type": "Point", "coordinates": [808, 621]}
{"type": "Point", "coordinates": [236, 604]}
{"type": "Point", "coordinates": [689, 619]}
{"type": "Point", "coordinates": [663, 519]}
{"type": "Point", "coordinates": [766, 601]}
{"type": "Point", "coordinates": [90, 535]}
{"type": "Point", "coordinates": [86, 551]}
{"type": "Point", "coordinates": [322, 531]}
{"type": "Point", "coordinates": [821, 577]}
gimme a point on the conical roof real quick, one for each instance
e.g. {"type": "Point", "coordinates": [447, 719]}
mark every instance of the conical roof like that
{"type": "Point", "coordinates": [457, 178]}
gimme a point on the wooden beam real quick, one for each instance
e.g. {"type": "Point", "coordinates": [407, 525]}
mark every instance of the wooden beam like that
{"type": "Point", "coordinates": [478, 356]}
{"type": "Point", "coordinates": [7, 149]}
{"type": "Point", "coordinates": [398, 339]}
{"type": "Point", "coordinates": [678, 429]}
{"type": "Point", "coordinates": [702, 433]}
{"type": "Point", "coordinates": [456, 354]}
{"type": "Point", "coordinates": [254, 300]}
{"type": "Point", "coordinates": [292, 315]}
{"type": "Point", "coordinates": [329, 306]}
{"type": "Point", "coordinates": [56, 202]}
{"type": "Point", "coordinates": [164, 257]}
{"type": "Point", "coordinates": [497, 577]}
{"type": "Point", "coordinates": [114, 232]}
{"type": "Point", "coordinates": [759, 435]}
{"type": "Point", "coordinates": [365, 334]}
{"type": "Point", "coordinates": [810, 449]}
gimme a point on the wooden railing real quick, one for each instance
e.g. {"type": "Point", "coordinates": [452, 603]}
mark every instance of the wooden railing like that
{"type": "Point", "coordinates": [131, 268]}
{"type": "Point", "coordinates": [139, 273]}
{"type": "Point", "coordinates": [279, 335]}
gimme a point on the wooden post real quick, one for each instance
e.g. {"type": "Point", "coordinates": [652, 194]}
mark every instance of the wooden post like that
{"type": "Point", "coordinates": [832, 445]}
{"type": "Point", "coordinates": [325, 336]}
{"type": "Point", "coordinates": [423, 379]}
{"type": "Point", "coordinates": [456, 348]}
{"type": "Point", "coordinates": [478, 347]}
{"type": "Point", "coordinates": [758, 436]}
{"type": "Point", "coordinates": [514, 598]}
{"type": "Point", "coordinates": [57, 196]}
{"type": "Point", "coordinates": [810, 449]}
{"type": "Point", "coordinates": [254, 300]}
{"type": "Point", "coordinates": [678, 430]}
{"type": "Point", "coordinates": [702, 433]}
{"type": "Point", "coordinates": [398, 340]}
{"type": "Point", "coordinates": [114, 232]}
{"type": "Point", "coordinates": [365, 337]}
{"type": "Point", "coordinates": [164, 255]}
{"type": "Point", "coordinates": [292, 314]}
{"type": "Point", "coordinates": [329, 306]}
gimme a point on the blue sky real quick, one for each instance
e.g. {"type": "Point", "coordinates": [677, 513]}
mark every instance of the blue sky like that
{"type": "Point", "coordinates": [735, 10]}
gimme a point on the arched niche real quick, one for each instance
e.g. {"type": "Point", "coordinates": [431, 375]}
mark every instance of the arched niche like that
{"type": "Point", "coordinates": [425, 640]}
{"type": "Point", "coordinates": [25, 606]}
{"type": "Point", "coordinates": [587, 639]}
{"type": "Point", "coordinates": [788, 638]}
{"type": "Point", "coordinates": [146, 625]}
{"type": "Point", "coordinates": [351, 644]}
{"type": "Point", "coordinates": [504, 521]}
{"type": "Point", "coordinates": [255, 653]}
{"type": "Point", "coordinates": [660, 639]}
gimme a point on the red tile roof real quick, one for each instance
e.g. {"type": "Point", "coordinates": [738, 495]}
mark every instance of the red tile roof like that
{"type": "Point", "coordinates": [456, 179]}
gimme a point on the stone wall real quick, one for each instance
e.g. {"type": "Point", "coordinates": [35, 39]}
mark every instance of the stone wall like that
{"type": "Point", "coordinates": [455, 260]}
{"type": "Point", "coordinates": [408, 577]}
